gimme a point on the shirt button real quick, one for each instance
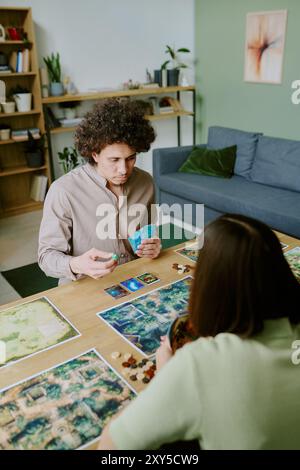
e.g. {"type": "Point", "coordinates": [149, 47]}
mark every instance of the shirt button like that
{"type": "Point", "coordinates": [122, 255]}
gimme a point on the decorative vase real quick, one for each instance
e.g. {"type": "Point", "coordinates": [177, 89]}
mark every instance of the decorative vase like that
{"type": "Point", "coordinates": [158, 77]}
{"type": "Point", "coordinates": [34, 159]}
{"type": "Point", "coordinates": [56, 89]}
{"type": "Point", "coordinates": [5, 134]}
{"type": "Point", "coordinates": [70, 113]}
{"type": "Point", "coordinates": [23, 102]}
{"type": "Point", "coordinates": [9, 107]}
{"type": "Point", "coordinates": [173, 76]}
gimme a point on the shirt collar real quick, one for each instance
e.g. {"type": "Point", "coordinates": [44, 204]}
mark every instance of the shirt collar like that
{"type": "Point", "coordinates": [91, 170]}
{"type": "Point", "coordinates": [279, 328]}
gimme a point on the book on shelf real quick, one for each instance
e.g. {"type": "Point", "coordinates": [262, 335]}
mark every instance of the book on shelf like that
{"type": "Point", "coordinates": [38, 188]}
{"type": "Point", "coordinates": [13, 60]}
{"type": "Point", "coordinates": [19, 61]}
{"type": "Point", "coordinates": [21, 135]}
{"type": "Point", "coordinates": [26, 58]}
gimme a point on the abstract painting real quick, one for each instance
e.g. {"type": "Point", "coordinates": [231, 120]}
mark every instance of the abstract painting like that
{"type": "Point", "coordinates": [264, 46]}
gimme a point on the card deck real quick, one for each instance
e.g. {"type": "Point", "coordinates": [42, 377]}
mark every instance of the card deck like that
{"type": "Point", "coordinates": [145, 232]}
{"type": "Point", "coordinates": [116, 291]}
{"type": "Point", "coordinates": [132, 284]}
{"type": "Point", "coordinates": [148, 278]}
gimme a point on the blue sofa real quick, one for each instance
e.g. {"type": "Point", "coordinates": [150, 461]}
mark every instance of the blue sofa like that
{"type": "Point", "coordinates": [265, 184]}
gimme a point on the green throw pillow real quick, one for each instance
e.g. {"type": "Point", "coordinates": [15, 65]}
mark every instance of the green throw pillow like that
{"type": "Point", "coordinates": [210, 162]}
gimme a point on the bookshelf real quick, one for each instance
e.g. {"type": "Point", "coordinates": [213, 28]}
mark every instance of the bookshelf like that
{"type": "Point", "coordinates": [177, 90]}
{"type": "Point", "coordinates": [15, 176]}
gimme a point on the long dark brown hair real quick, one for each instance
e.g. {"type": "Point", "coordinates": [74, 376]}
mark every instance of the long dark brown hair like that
{"type": "Point", "coordinates": [242, 278]}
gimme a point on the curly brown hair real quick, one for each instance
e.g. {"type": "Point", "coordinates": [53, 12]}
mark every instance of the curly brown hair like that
{"type": "Point", "coordinates": [113, 120]}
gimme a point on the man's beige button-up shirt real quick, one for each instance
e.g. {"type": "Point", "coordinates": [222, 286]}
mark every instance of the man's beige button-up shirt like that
{"type": "Point", "coordinates": [73, 218]}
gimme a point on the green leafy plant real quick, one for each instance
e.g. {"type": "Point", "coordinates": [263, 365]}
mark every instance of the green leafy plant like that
{"type": "Point", "coordinates": [69, 159]}
{"type": "Point", "coordinates": [53, 67]}
{"type": "Point", "coordinates": [69, 104]}
{"type": "Point", "coordinates": [174, 54]}
{"type": "Point", "coordinates": [18, 90]}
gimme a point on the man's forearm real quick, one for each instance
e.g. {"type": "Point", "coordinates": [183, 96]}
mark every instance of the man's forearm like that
{"type": "Point", "coordinates": [56, 264]}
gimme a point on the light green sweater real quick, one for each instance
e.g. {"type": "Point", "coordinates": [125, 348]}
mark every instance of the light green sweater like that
{"type": "Point", "coordinates": [227, 392]}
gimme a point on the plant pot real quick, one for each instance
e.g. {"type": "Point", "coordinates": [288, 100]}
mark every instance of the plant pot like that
{"type": "Point", "coordinates": [23, 102]}
{"type": "Point", "coordinates": [158, 77]}
{"type": "Point", "coordinates": [173, 76]}
{"type": "Point", "coordinates": [5, 134]}
{"type": "Point", "coordinates": [35, 159]}
{"type": "Point", "coordinates": [8, 107]}
{"type": "Point", "coordinates": [56, 89]}
{"type": "Point", "coordinates": [70, 113]}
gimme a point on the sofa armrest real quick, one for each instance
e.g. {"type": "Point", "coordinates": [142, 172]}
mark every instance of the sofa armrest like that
{"type": "Point", "coordinates": [169, 160]}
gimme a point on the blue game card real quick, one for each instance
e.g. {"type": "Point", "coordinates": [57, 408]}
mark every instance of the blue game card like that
{"type": "Point", "coordinates": [147, 231]}
{"type": "Point", "coordinates": [132, 284]}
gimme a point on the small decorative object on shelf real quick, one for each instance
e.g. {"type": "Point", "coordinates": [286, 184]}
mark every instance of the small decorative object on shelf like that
{"type": "Point", "coordinates": [16, 34]}
{"type": "Point", "coordinates": [2, 33]}
{"type": "Point", "coordinates": [69, 109]}
{"type": "Point", "coordinates": [131, 85]}
{"type": "Point", "coordinates": [69, 159]}
{"type": "Point", "coordinates": [4, 132]}
{"type": "Point", "coordinates": [54, 72]}
{"type": "Point", "coordinates": [22, 97]}
{"type": "Point", "coordinates": [8, 107]}
{"type": "Point", "coordinates": [34, 151]}
{"type": "Point", "coordinates": [70, 88]}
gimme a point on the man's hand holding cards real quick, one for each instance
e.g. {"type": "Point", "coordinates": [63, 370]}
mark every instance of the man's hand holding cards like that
{"type": "Point", "coordinates": [144, 242]}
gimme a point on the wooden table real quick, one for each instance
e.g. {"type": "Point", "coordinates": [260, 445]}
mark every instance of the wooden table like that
{"type": "Point", "coordinates": [80, 301]}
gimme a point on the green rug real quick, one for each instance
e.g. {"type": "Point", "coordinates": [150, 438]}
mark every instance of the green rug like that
{"type": "Point", "coordinates": [30, 279]}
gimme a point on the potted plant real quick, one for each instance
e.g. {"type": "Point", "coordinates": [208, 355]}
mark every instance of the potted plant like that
{"type": "Point", "coordinates": [173, 73]}
{"type": "Point", "coordinates": [34, 151]}
{"type": "Point", "coordinates": [69, 109]}
{"type": "Point", "coordinates": [22, 97]}
{"type": "Point", "coordinates": [54, 72]}
{"type": "Point", "coordinates": [69, 159]}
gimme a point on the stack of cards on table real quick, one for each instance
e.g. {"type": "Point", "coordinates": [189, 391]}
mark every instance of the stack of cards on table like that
{"type": "Point", "coordinates": [148, 231]}
{"type": "Point", "coordinates": [131, 285]}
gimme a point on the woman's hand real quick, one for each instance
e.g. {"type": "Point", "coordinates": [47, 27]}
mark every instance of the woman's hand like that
{"type": "Point", "coordinates": [149, 248]}
{"type": "Point", "coordinates": [163, 353]}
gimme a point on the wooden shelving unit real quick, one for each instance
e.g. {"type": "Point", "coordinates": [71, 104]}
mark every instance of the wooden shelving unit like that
{"type": "Point", "coordinates": [15, 175]}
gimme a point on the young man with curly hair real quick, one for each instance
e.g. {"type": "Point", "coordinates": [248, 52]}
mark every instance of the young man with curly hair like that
{"type": "Point", "coordinates": [73, 241]}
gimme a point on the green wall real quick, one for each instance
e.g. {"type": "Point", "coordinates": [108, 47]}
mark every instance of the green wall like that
{"type": "Point", "coordinates": [223, 97]}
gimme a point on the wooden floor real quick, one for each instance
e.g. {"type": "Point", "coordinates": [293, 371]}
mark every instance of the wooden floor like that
{"type": "Point", "coordinates": [19, 243]}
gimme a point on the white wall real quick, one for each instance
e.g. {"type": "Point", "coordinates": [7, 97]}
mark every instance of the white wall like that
{"type": "Point", "coordinates": [103, 43]}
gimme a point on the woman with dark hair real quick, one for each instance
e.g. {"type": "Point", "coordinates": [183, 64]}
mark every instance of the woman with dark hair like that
{"type": "Point", "coordinates": [236, 386]}
{"type": "Point", "coordinates": [88, 211]}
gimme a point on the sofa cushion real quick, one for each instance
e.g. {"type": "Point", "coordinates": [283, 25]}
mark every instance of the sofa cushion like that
{"type": "Point", "coordinates": [277, 207]}
{"type": "Point", "coordinates": [220, 137]}
{"type": "Point", "coordinates": [277, 163]}
{"type": "Point", "coordinates": [210, 162]}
